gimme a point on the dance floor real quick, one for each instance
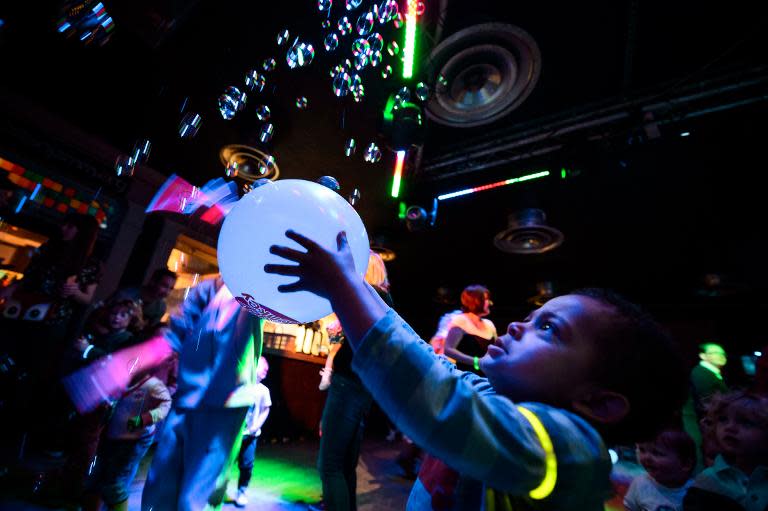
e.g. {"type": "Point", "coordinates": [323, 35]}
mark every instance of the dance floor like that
{"type": "Point", "coordinates": [285, 479]}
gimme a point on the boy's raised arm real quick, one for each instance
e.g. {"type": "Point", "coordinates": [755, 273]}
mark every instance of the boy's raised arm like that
{"type": "Point", "coordinates": [331, 275]}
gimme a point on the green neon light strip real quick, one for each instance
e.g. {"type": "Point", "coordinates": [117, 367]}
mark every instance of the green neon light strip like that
{"type": "Point", "coordinates": [527, 177]}
{"type": "Point", "coordinates": [409, 48]}
{"type": "Point", "coordinates": [398, 174]}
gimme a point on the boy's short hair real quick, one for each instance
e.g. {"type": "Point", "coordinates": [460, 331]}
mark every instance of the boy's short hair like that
{"type": "Point", "coordinates": [681, 443]}
{"type": "Point", "coordinates": [473, 298]}
{"type": "Point", "coordinates": [638, 359]}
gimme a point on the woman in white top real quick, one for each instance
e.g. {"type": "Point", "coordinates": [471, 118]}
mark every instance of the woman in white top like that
{"type": "Point", "coordinates": [469, 333]}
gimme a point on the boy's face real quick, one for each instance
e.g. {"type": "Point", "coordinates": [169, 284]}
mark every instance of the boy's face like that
{"type": "Point", "coordinates": [663, 464]}
{"type": "Point", "coordinates": [119, 318]}
{"type": "Point", "coordinates": [262, 369]}
{"type": "Point", "coordinates": [549, 356]}
{"type": "Point", "coordinates": [740, 436]}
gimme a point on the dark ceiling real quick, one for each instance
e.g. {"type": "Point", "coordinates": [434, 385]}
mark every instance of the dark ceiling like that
{"type": "Point", "coordinates": [648, 215]}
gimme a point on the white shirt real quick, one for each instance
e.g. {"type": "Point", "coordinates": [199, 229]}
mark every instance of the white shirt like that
{"type": "Point", "coordinates": [751, 492]}
{"type": "Point", "coordinates": [645, 494]}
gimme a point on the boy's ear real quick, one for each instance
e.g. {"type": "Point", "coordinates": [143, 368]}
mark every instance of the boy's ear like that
{"type": "Point", "coordinates": [602, 406]}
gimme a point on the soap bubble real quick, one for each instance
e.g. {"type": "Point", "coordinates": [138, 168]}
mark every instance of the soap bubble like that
{"type": "Point", "coordinates": [189, 125]}
{"type": "Point", "coordinates": [233, 169]}
{"type": "Point", "coordinates": [365, 23]}
{"type": "Point", "coordinates": [374, 59]}
{"type": "Point", "coordinates": [442, 82]}
{"type": "Point", "coordinates": [262, 112]}
{"type": "Point", "coordinates": [269, 64]}
{"type": "Point", "coordinates": [344, 26]}
{"type": "Point", "coordinates": [255, 81]}
{"type": "Point", "coordinates": [422, 91]}
{"type": "Point", "coordinates": [354, 197]}
{"type": "Point", "coordinates": [227, 106]}
{"type": "Point", "coordinates": [340, 68]}
{"type": "Point", "coordinates": [140, 153]}
{"type": "Point", "coordinates": [372, 153]}
{"type": "Point", "coordinates": [282, 37]}
{"type": "Point", "coordinates": [361, 61]}
{"type": "Point", "coordinates": [402, 96]}
{"type": "Point", "coordinates": [265, 135]}
{"type": "Point", "coordinates": [326, 24]}
{"type": "Point", "coordinates": [393, 48]}
{"type": "Point", "coordinates": [353, 4]}
{"type": "Point", "coordinates": [324, 5]}
{"type": "Point", "coordinates": [301, 103]}
{"type": "Point", "coordinates": [341, 84]}
{"type": "Point", "coordinates": [386, 71]}
{"type": "Point", "coordinates": [124, 166]}
{"type": "Point", "coordinates": [358, 93]}
{"type": "Point", "coordinates": [398, 20]}
{"type": "Point", "coordinates": [420, 8]}
{"type": "Point", "coordinates": [350, 147]}
{"type": "Point", "coordinates": [360, 47]}
{"type": "Point", "coordinates": [300, 54]}
{"type": "Point", "coordinates": [388, 9]}
{"type": "Point", "coordinates": [331, 41]}
{"type": "Point", "coordinates": [266, 165]}
{"type": "Point", "coordinates": [329, 182]}
{"type": "Point", "coordinates": [376, 41]}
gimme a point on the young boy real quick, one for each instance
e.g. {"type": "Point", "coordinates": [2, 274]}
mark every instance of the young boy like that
{"type": "Point", "coordinates": [738, 479]}
{"type": "Point", "coordinates": [527, 432]}
{"type": "Point", "coordinates": [669, 461]}
{"type": "Point", "coordinates": [257, 415]}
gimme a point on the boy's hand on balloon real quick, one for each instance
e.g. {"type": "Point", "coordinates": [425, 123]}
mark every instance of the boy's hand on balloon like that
{"type": "Point", "coordinates": [319, 270]}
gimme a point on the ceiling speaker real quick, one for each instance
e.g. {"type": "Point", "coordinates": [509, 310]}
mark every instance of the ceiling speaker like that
{"type": "Point", "coordinates": [481, 73]}
{"type": "Point", "coordinates": [528, 233]}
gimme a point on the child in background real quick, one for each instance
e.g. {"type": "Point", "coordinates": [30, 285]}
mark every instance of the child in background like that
{"type": "Point", "coordinates": [255, 419]}
{"type": "Point", "coordinates": [109, 328]}
{"type": "Point", "coordinates": [669, 461]}
{"type": "Point", "coordinates": [112, 327]}
{"type": "Point", "coordinates": [127, 438]}
{"type": "Point", "coordinates": [738, 479]}
{"type": "Point", "coordinates": [528, 433]}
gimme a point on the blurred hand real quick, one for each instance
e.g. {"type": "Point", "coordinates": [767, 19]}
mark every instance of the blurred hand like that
{"type": "Point", "coordinates": [319, 270]}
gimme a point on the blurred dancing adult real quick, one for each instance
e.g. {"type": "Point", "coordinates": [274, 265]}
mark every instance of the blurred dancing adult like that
{"type": "Point", "coordinates": [219, 343]}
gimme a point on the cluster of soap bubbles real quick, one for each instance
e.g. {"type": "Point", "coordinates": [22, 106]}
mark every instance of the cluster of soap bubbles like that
{"type": "Point", "coordinates": [366, 45]}
{"type": "Point", "coordinates": [333, 184]}
{"type": "Point", "coordinates": [87, 20]}
{"type": "Point", "coordinates": [366, 50]}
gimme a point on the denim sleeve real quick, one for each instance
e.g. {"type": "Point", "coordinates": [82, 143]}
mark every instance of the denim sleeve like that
{"type": "Point", "coordinates": [454, 415]}
{"type": "Point", "coordinates": [183, 322]}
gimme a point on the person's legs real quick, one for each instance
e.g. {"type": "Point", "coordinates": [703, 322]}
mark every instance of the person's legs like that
{"type": "Point", "coordinates": [124, 459]}
{"type": "Point", "coordinates": [340, 443]}
{"type": "Point", "coordinates": [213, 439]}
{"type": "Point", "coordinates": [161, 491]}
{"type": "Point", "coordinates": [245, 460]}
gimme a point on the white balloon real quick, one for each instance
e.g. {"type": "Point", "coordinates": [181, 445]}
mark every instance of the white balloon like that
{"type": "Point", "coordinates": [259, 220]}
